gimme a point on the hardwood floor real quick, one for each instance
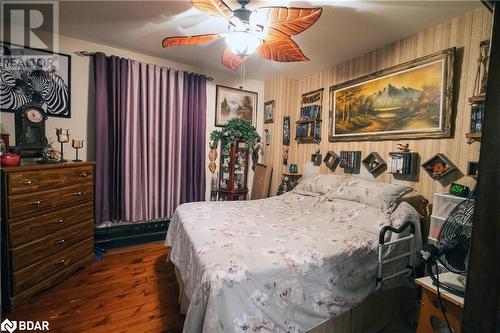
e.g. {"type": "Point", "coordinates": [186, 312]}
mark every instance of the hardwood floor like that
{"type": "Point", "coordinates": [129, 290]}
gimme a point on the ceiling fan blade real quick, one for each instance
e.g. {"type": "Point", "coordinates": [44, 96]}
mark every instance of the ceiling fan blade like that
{"type": "Point", "coordinates": [285, 22]}
{"type": "Point", "coordinates": [282, 50]}
{"type": "Point", "coordinates": [213, 7]}
{"type": "Point", "coordinates": [188, 40]}
{"type": "Point", "coordinates": [231, 60]}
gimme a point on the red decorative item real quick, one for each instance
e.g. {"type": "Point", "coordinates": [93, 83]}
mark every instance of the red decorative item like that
{"type": "Point", "coordinates": [10, 159]}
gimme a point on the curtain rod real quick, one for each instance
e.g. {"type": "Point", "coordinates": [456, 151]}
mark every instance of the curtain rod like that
{"type": "Point", "coordinates": [90, 54]}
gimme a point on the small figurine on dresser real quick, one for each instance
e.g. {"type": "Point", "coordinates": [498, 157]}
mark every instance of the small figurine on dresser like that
{"type": "Point", "coordinates": [50, 154]}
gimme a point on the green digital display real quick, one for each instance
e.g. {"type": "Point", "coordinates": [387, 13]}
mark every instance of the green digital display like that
{"type": "Point", "coordinates": [459, 190]}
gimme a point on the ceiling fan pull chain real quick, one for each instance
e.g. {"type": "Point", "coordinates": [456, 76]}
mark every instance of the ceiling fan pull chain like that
{"type": "Point", "coordinates": [242, 76]}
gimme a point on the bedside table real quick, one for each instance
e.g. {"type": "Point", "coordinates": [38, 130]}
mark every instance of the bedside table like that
{"type": "Point", "coordinates": [430, 305]}
{"type": "Point", "coordinates": [288, 182]}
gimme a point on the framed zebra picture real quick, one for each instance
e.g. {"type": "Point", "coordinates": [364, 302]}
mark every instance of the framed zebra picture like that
{"type": "Point", "coordinates": [35, 76]}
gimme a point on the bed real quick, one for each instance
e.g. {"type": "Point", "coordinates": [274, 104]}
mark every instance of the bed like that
{"type": "Point", "coordinates": [289, 263]}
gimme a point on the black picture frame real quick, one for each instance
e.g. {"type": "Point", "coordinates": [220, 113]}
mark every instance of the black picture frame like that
{"type": "Point", "coordinates": [28, 51]}
{"type": "Point", "coordinates": [286, 131]}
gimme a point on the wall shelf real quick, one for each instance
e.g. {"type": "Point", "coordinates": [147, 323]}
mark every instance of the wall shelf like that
{"type": "Point", "coordinates": [403, 163]}
{"type": "Point", "coordinates": [331, 160]}
{"type": "Point", "coordinates": [438, 166]}
{"type": "Point", "coordinates": [306, 121]}
{"type": "Point", "coordinates": [350, 161]}
{"type": "Point", "coordinates": [374, 163]}
{"type": "Point", "coordinates": [479, 99]}
{"type": "Point", "coordinates": [308, 126]}
{"type": "Point", "coordinates": [473, 137]}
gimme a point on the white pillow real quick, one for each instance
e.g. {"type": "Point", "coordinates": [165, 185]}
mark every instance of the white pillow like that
{"type": "Point", "coordinates": [380, 195]}
{"type": "Point", "coordinates": [319, 184]}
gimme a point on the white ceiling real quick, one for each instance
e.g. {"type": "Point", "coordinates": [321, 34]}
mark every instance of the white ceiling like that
{"type": "Point", "coordinates": [345, 30]}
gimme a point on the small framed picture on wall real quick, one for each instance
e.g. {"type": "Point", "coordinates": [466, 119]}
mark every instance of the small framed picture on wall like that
{"type": "Point", "coordinates": [268, 112]}
{"type": "Point", "coordinates": [286, 131]}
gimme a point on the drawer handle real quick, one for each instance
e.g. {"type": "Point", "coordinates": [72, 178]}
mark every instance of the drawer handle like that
{"type": "Point", "coordinates": [60, 262]}
{"type": "Point", "coordinates": [60, 241]}
{"type": "Point", "coordinates": [77, 193]}
{"type": "Point", "coordinates": [26, 182]}
{"type": "Point", "coordinates": [84, 174]}
{"type": "Point", "coordinates": [36, 202]}
{"type": "Point", "coordinates": [59, 221]}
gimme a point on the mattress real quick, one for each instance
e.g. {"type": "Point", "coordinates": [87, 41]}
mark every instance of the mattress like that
{"type": "Point", "coordinates": [282, 264]}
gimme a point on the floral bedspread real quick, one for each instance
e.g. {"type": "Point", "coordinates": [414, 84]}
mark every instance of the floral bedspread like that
{"type": "Point", "coordinates": [282, 264]}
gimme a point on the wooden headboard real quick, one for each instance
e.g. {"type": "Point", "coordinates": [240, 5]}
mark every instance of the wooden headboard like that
{"type": "Point", "coordinates": [421, 206]}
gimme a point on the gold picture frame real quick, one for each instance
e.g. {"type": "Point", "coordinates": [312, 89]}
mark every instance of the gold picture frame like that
{"type": "Point", "coordinates": [231, 103]}
{"type": "Point", "coordinates": [412, 100]}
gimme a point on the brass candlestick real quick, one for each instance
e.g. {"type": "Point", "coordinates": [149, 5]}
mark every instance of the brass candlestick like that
{"type": "Point", "coordinates": [62, 137]}
{"type": "Point", "coordinates": [77, 144]}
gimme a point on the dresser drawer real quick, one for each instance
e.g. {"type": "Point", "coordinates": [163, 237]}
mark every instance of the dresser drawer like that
{"type": "Point", "coordinates": [24, 204]}
{"type": "Point", "coordinates": [39, 180]}
{"type": "Point", "coordinates": [24, 230]}
{"type": "Point", "coordinates": [24, 296]}
{"type": "Point", "coordinates": [77, 194]}
{"type": "Point", "coordinates": [47, 267]}
{"type": "Point", "coordinates": [43, 247]}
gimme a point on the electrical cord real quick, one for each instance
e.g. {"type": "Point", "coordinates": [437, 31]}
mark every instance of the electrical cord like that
{"type": "Point", "coordinates": [441, 306]}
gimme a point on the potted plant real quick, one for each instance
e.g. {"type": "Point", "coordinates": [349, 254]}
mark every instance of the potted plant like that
{"type": "Point", "coordinates": [239, 129]}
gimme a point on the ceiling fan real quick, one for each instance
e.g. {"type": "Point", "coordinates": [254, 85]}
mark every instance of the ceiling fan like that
{"type": "Point", "coordinates": [266, 31]}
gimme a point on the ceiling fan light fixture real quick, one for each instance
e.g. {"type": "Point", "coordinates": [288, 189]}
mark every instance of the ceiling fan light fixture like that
{"type": "Point", "coordinates": [259, 23]}
{"type": "Point", "coordinates": [266, 31]}
{"type": "Point", "coordinates": [242, 43]}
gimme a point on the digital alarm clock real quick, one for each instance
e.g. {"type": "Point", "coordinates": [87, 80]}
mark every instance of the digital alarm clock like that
{"type": "Point", "coordinates": [459, 190]}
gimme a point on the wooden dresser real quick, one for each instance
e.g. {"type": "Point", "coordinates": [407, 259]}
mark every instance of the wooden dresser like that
{"type": "Point", "coordinates": [47, 226]}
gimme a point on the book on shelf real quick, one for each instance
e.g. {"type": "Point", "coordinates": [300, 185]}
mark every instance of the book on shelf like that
{"type": "Point", "coordinates": [349, 159]}
{"type": "Point", "coordinates": [477, 115]}
{"type": "Point", "coordinates": [310, 113]}
{"type": "Point", "coordinates": [400, 163]}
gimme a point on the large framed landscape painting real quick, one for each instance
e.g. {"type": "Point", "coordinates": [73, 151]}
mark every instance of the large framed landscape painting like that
{"type": "Point", "coordinates": [409, 101]}
{"type": "Point", "coordinates": [233, 103]}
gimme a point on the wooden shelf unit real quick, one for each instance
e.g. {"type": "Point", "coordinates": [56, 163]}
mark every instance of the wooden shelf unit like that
{"type": "Point", "coordinates": [233, 172]}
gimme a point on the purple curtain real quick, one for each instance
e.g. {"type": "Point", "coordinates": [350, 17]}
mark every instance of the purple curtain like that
{"type": "Point", "coordinates": [144, 129]}
{"type": "Point", "coordinates": [111, 90]}
{"type": "Point", "coordinates": [193, 138]}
